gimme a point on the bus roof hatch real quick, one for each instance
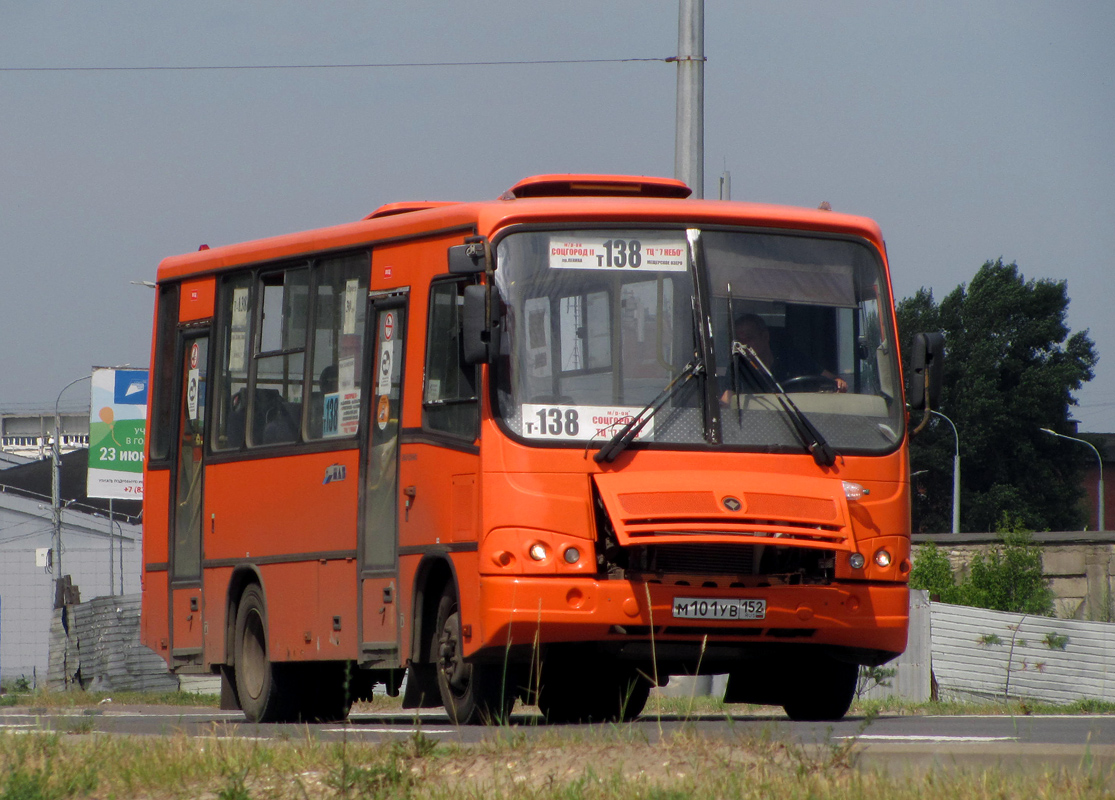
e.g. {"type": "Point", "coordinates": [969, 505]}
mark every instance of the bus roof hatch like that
{"type": "Point", "coordinates": [597, 186]}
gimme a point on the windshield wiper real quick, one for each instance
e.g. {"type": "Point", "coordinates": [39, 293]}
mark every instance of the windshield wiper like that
{"type": "Point", "coordinates": [625, 435]}
{"type": "Point", "coordinates": [811, 438]}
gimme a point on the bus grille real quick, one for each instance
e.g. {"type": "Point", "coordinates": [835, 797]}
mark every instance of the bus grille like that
{"type": "Point", "coordinates": [702, 559]}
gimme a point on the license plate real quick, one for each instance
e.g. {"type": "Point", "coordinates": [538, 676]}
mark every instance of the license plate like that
{"type": "Point", "coordinates": [719, 608]}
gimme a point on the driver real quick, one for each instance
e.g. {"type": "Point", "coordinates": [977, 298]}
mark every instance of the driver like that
{"type": "Point", "coordinates": [751, 329]}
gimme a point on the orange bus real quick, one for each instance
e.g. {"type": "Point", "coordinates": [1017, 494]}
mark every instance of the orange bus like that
{"type": "Point", "coordinates": [553, 447]}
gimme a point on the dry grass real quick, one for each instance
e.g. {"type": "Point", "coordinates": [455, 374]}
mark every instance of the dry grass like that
{"type": "Point", "coordinates": [614, 763]}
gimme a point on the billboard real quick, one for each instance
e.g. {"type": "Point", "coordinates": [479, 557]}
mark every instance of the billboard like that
{"type": "Point", "coordinates": [117, 429]}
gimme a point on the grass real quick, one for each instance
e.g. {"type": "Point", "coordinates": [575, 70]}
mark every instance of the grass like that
{"type": "Point", "coordinates": [657, 705]}
{"type": "Point", "coordinates": [605, 763]}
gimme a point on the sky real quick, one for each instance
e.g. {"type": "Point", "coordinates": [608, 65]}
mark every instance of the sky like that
{"type": "Point", "coordinates": [969, 131]}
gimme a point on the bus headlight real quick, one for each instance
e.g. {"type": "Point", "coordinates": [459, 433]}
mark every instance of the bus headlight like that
{"type": "Point", "coordinates": [572, 555]}
{"type": "Point", "coordinates": [538, 551]}
{"type": "Point", "coordinates": [882, 558]}
{"type": "Point", "coordinates": [856, 560]}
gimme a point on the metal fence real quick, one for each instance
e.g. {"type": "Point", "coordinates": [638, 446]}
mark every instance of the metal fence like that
{"type": "Point", "coordinates": [992, 654]}
{"type": "Point", "coordinates": [95, 646]}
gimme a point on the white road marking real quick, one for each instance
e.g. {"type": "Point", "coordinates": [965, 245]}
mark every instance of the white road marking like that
{"type": "Point", "coordinates": [434, 731]}
{"type": "Point", "coordinates": [935, 739]}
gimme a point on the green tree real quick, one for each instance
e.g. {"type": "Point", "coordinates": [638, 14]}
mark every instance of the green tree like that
{"type": "Point", "coordinates": [1011, 369]}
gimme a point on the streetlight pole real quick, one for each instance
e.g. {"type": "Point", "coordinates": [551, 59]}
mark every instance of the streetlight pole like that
{"type": "Point", "coordinates": [689, 144]}
{"type": "Point", "coordinates": [1101, 523]}
{"type": "Point", "coordinates": [955, 474]}
{"type": "Point", "coordinates": [56, 492]}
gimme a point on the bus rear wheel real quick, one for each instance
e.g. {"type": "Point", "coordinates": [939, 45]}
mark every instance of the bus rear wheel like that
{"type": "Point", "coordinates": [473, 694]}
{"type": "Point", "coordinates": [259, 682]}
{"type": "Point", "coordinates": [823, 693]}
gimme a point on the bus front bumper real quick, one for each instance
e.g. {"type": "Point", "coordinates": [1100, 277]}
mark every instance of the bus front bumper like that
{"type": "Point", "coordinates": [523, 610]}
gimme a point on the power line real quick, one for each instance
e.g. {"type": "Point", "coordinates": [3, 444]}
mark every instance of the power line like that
{"type": "Point", "coordinates": [392, 65]}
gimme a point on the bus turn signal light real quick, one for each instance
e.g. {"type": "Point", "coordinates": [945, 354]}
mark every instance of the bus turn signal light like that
{"type": "Point", "coordinates": [854, 491]}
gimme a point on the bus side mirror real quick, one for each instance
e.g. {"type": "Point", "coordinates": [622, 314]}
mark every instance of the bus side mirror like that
{"type": "Point", "coordinates": [467, 259]}
{"type": "Point", "coordinates": [927, 367]}
{"type": "Point", "coordinates": [477, 334]}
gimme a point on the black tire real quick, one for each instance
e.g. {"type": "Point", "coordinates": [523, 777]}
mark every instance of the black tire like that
{"type": "Point", "coordinates": [576, 691]}
{"type": "Point", "coordinates": [823, 693]}
{"type": "Point", "coordinates": [473, 694]}
{"type": "Point", "coordinates": [259, 683]}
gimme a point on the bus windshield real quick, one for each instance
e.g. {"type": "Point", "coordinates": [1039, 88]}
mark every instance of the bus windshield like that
{"type": "Point", "coordinates": [598, 322]}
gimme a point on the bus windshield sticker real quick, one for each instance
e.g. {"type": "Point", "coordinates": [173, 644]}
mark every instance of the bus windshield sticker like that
{"type": "Point", "coordinates": [237, 351]}
{"type": "Point", "coordinates": [348, 411]}
{"type": "Point", "coordinates": [648, 253]}
{"type": "Point", "coordinates": [352, 289]}
{"type": "Point", "coordinates": [580, 423]}
{"type": "Point", "coordinates": [240, 308]}
{"type": "Point", "coordinates": [385, 375]}
{"type": "Point", "coordinates": [383, 412]}
{"type": "Point", "coordinates": [330, 414]}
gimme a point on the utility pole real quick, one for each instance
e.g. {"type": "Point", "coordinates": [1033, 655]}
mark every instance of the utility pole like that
{"type": "Point", "coordinates": [56, 495]}
{"type": "Point", "coordinates": [689, 145]}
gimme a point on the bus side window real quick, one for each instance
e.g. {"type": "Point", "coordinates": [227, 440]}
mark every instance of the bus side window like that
{"type": "Point", "coordinates": [231, 396]}
{"type": "Point", "coordinates": [280, 357]}
{"type": "Point", "coordinates": [449, 400]}
{"type": "Point", "coordinates": [336, 347]}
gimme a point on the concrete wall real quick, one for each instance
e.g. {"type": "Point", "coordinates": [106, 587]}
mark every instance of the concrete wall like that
{"type": "Point", "coordinates": [1079, 565]}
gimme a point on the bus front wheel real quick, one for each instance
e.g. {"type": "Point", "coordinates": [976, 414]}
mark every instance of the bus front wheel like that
{"type": "Point", "coordinates": [823, 693]}
{"type": "Point", "coordinates": [258, 682]}
{"type": "Point", "coordinates": [473, 694]}
{"type": "Point", "coordinates": [578, 690]}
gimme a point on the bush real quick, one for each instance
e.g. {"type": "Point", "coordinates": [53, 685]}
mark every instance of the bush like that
{"type": "Point", "coordinates": [932, 571]}
{"type": "Point", "coordinates": [1009, 578]}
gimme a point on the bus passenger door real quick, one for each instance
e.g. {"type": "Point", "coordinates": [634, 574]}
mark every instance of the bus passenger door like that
{"type": "Point", "coordinates": [379, 602]}
{"type": "Point", "coordinates": [186, 506]}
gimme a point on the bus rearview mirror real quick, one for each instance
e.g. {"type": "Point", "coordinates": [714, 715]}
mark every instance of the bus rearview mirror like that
{"type": "Point", "coordinates": [927, 368]}
{"type": "Point", "coordinates": [467, 259]}
{"type": "Point", "coordinates": [476, 333]}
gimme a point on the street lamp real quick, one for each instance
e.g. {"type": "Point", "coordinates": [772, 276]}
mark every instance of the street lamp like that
{"type": "Point", "coordinates": [955, 474]}
{"type": "Point", "coordinates": [1100, 521]}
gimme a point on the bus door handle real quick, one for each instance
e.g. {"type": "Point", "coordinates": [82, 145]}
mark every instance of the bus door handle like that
{"type": "Point", "coordinates": [409, 492]}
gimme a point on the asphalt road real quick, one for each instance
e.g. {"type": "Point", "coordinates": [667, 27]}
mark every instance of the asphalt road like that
{"type": "Point", "coordinates": [893, 743]}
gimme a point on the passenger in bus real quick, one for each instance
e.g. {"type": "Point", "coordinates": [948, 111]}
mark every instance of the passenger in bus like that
{"type": "Point", "coordinates": [280, 417]}
{"type": "Point", "coordinates": [785, 364]}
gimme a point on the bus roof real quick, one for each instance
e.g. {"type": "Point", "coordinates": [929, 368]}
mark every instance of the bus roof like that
{"type": "Point", "coordinates": [557, 199]}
